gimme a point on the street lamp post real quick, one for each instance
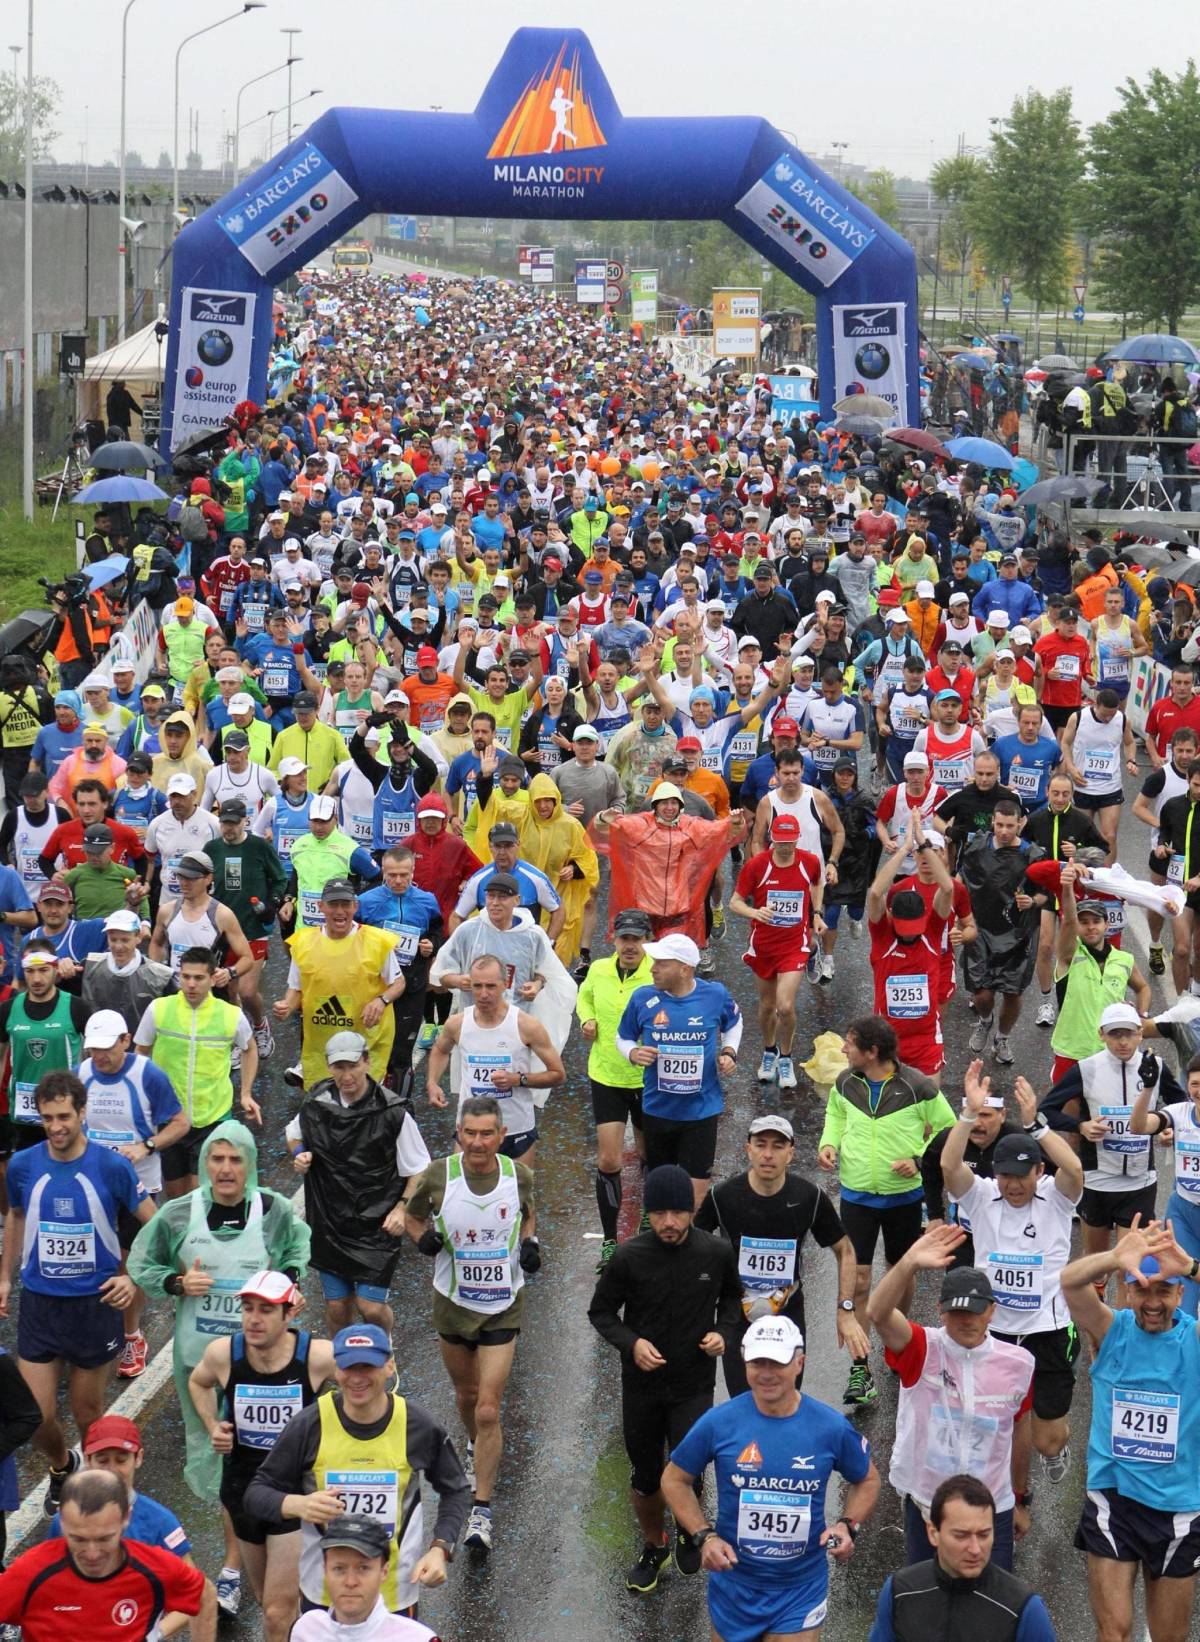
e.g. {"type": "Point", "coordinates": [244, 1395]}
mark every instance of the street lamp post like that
{"type": "Point", "coordinates": [121, 281]}
{"type": "Point", "coordinates": [30, 369]}
{"type": "Point", "coordinates": [16, 52]}
{"type": "Point", "coordinates": [291, 58]}
{"type": "Point", "coordinates": [270, 115]}
{"type": "Point", "coordinates": [237, 115]}
{"type": "Point", "coordinates": [247, 5]}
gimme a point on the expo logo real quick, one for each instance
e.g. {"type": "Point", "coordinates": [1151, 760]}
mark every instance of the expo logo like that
{"type": "Point", "coordinates": [796, 230]}
{"type": "Point", "coordinates": [295, 221]}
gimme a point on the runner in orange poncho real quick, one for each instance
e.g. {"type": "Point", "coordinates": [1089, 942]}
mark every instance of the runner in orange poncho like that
{"type": "Point", "coordinates": [663, 861]}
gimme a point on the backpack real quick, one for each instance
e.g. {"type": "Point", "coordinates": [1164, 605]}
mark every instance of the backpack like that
{"type": "Point", "coordinates": [193, 527]}
{"type": "Point", "coordinates": [1184, 422]}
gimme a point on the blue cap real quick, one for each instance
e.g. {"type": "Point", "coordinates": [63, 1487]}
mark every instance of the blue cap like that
{"type": "Point", "coordinates": [1148, 1266]}
{"type": "Point", "coordinates": [593, 577]}
{"type": "Point", "coordinates": [361, 1343]}
{"type": "Point", "coordinates": [589, 504]}
{"type": "Point", "coordinates": [69, 698]}
{"type": "Point", "coordinates": [702, 693]}
{"type": "Point", "coordinates": [411, 497]}
{"type": "Point", "coordinates": [948, 695]}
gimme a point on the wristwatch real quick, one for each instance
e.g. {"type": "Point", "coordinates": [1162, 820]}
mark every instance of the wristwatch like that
{"type": "Point", "coordinates": [1039, 1123]}
{"type": "Point", "coordinates": [699, 1537]}
{"type": "Point", "coordinates": [852, 1527]}
{"type": "Point", "coordinates": [1195, 1271]}
{"type": "Point", "coordinates": [1025, 1500]}
{"type": "Point", "coordinates": [523, 1080]}
{"type": "Point", "coordinates": [150, 1144]}
{"type": "Point", "coordinates": [846, 1305]}
{"type": "Point", "coordinates": [444, 1546]}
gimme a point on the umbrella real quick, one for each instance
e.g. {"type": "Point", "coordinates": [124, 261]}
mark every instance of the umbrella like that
{"type": "Point", "coordinates": [207, 442]}
{"type": "Point", "coordinates": [1154, 555]}
{"type": "Point", "coordinates": [917, 439]}
{"type": "Point", "coordinates": [864, 404]}
{"type": "Point", "coordinates": [971, 362]}
{"type": "Point", "coordinates": [1066, 487]}
{"type": "Point", "coordinates": [1035, 375]}
{"type": "Point", "coordinates": [1155, 348]}
{"type": "Point", "coordinates": [125, 453]}
{"type": "Point", "coordinates": [868, 426]}
{"type": "Point", "coordinates": [105, 570]}
{"type": "Point", "coordinates": [121, 488]}
{"type": "Point", "coordinates": [986, 452]}
{"type": "Point", "coordinates": [1188, 574]}
{"type": "Point", "coordinates": [1155, 525]}
{"type": "Point", "coordinates": [1008, 336]}
{"type": "Point", "coordinates": [1024, 473]}
{"type": "Point", "coordinates": [1057, 362]}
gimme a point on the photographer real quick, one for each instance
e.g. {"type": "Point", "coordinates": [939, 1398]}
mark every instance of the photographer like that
{"type": "Point", "coordinates": [72, 637]}
{"type": "Point", "coordinates": [24, 708]}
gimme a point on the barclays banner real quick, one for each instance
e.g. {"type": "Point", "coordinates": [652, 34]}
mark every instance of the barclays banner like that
{"type": "Point", "coordinates": [868, 354]}
{"type": "Point", "coordinates": [283, 212]}
{"type": "Point", "coordinates": [816, 225]}
{"type": "Point", "coordinates": [215, 342]}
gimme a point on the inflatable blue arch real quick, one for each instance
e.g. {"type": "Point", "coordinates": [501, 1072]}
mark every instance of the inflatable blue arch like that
{"type": "Point", "coordinates": [546, 140]}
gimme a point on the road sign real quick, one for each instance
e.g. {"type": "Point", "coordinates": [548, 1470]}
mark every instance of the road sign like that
{"type": "Point", "coordinates": [613, 293]}
{"type": "Point", "coordinates": [1080, 293]}
{"type": "Point", "coordinates": [616, 272]}
{"type": "Point", "coordinates": [1006, 299]}
{"type": "Point", "coordinates": [1078, 314]}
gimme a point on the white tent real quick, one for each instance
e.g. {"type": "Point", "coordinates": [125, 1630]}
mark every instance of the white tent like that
{"type": "Point", "coordinates": [138, 362]}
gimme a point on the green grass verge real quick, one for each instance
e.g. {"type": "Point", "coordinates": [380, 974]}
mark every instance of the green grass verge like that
{"type": "Point", "coordinates": [29, 550]}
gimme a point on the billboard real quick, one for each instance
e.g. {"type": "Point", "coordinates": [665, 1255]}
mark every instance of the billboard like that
{"type": "Point", "coordinates": [868, 353]}
{"type": "Point", "coordinates": [737, 313]}
{"type": "Point", "coordinates": [590, 279]}
{"type": "Point", "coordinates": [643, 295]}
{"type": "Point", "coordinates": [215, 343]}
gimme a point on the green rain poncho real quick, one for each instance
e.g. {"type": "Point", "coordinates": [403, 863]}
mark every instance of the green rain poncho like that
{"type": "Point", "coordinates": [179, 1236]}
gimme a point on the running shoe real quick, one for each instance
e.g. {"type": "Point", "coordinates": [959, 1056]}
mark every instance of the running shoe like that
{"type": "Point", "coordinates": [293, 1076]}
{"type": "Point", "coordinates": [429, 1032]}
{"type": "Point", "coordinates": [1002, 1049]}
{"type": "Point", "coordinates": [767, 1065]}
{"type": "Point", "coordinates": [856, 927]}
{"type": "Point", "coordinates": [133, 1357]}
{"type": "Point", "coordinates": [1047, 1014]}
{"type": "Point", "coordinates": [469, 1466]}
{"type": "Point", "coordinates": [1056, 1466]}
{"type": "Point", "coordinates": [229, 1592]}
{"type": "Point", "coordinates": [718, 923]}
{"type": "Point", "coordinates": [827, 969]}
{"type": "Point", "coordinates": [687, 1557]}
{"type": "Point", "coordinates": [813, 967]}
{"type": "Point", "coordinates": [707, 965]}
{"type": "Point", "coordinates": [54, 1484]}
{"type": "Point", "coordinates": [1158, 964]}
{"type": "Point", "coordinates": [479, 1529]}
{"type": "Point", "coordinates": [607, 1249]}
{"type": "Point", "coordinates": [265, 1040]}
{"type": "Point", "coordinates": [785, 1073]}
{"type": "Point", "coordinates": [860, 1387]}
{"type": "Point", "coordinates": [643, 1576]}
{"type": "Point", "coordinates": [978, 1041]}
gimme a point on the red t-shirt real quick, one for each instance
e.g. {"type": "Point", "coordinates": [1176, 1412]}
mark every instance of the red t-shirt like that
{"type": "Point", "coordinates": [1165, 717]}
{"type": "Point", "coordinates": [908, 982]}
{"type": "Point", "coordinates": [763, 882]}
{"type": "Point", "coordinates": [67, 841]}
{"type": "Point", "coordinates": [43, 1593]}
{"type": "Point", "coordinates": [1063, 692]}
{"type": "Point", "coordinates": [878, 528]}
{"type": "Point", "coordinates": [938, 929]}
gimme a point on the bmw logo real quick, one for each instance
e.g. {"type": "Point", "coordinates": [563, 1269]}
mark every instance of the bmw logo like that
{"type": "Point", "coordinates": [215, 347]}
{"type": "Point", "coordinates": [194, 376]}
{"type": "Point", "coordinates": [872, 359]}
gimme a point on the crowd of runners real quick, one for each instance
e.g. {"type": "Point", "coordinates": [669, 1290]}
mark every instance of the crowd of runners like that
{"type": "Point", "coordinates": [521, 688]}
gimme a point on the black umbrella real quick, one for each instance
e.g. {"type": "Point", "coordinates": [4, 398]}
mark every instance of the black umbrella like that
{"type": "Point", "coordinates": [1155, 525]}
{"type": "Point", "coordinates": [124, 455]}
{"type": "Point", "coordinates": [867, 426]}
{"type": "Point", "coordinates": [202, 444]}
{"type": "Point", "coordinates": [1189, 574]}
{"type": "Point", "coordinates": [1153, 555]}
{"type": "Point", "coordinates": [1065, 488]}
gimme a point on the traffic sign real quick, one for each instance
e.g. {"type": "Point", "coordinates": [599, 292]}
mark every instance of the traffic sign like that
{"type": "Point", "coordinates": [616, 272]}
{"type": "Point", "coordinates": [1078, 314]}
{"type": "Point", "coordinates": [1080, 293]}
{"type": "Point", "coordinates": [613, 293]}
{"type": "Point", "coordinates": [1006, 299]}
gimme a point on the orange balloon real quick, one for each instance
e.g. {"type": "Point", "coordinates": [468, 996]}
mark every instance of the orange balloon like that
{"type": "Point", "coordinates": [610, 465]}
{"type": "Point", "coordinates": [650, 471]}
{"type": "Point", "coordinates": [593, 461]}
{"type": "Point", "coordinates": [690, 452]}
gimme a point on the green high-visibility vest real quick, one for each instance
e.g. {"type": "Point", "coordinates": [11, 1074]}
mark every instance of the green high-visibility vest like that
{"type": "Point", "coordinates": [185, 647]}
{"type": "Point", "coordinates": [315, 861]}
{"type": "Point", "coordinates": [1090, 989]}
{"type": "Point", "coordinates": [194, 1048]}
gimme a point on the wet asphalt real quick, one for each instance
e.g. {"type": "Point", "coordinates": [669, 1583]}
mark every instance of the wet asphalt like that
{"type": "Point", "coordinates": [564, 1528]}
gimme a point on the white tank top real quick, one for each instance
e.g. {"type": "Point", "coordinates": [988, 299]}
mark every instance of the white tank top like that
{"type": "Point", "coordinates": [805, 810]}
{"type": "Point", "coordinates": [29, 840]}
{"type": "Point", "coordinates": [483, 1050]}
{"type": "Point", "coordinates": [358, 806]}
{"type": "Point", "coordinates": [478, 1266]}
{"type": "Point", "coordinates": [1173, 784]}
{"type": "Point", "coordinates": [1026, 1250]}
{"type": "Point", "coordinates": [183, 933]}
{"type": "Point", "coordinates": [248, 786]}
{"type": "Point", "coordinates": [1097, 752]}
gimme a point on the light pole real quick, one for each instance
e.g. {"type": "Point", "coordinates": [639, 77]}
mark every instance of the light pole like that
{"type": "Point", "coordinates": [121, 281]}
{"type": "Point", "coordinates": [841, 159]}
{"type": "Point", "coordinates": [16, 52]}
{"type": "Point", "coordinates": [237, 114]}
{"type": "Point", "coordinates": [247, 5]}
{"type": "Point", "coordinates": [270, 115]}
{"type": "Point", "coordinates": [291, 58]}
{"type": "Point", "coordinates": [30, 368]}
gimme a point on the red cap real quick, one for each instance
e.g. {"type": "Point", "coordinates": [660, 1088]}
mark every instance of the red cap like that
{"type": "Point", "coordinates": [427, 656]}
{"type": "Point", "coordinates": [688, 744]}
{"type": "Point", "coordinates": [785, 726]}
{"type": "Point", "coordinates": [910, 927]}
{"type": "Point", "coordinates": [785, 829]}
{"type": "Point", "coordinates": [360, 593]}
{"type": "Point", "coordinates": [112, 1431]}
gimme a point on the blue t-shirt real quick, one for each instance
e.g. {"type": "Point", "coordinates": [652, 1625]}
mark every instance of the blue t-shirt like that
{"type": "Point", "coordinates": [150, 1524]}
{"type": "Point", "coordinates": [772, 1476]}
{"type": "Point", "coordinates": [537, 892]}
{"type": "Point", "coordinates": [140, 1091]}
{"type": "Point", "coordinates": [488, 532]}
{"type": "Point", "coordinates": [77, 941]}
{"type": "Point", "coordinates": [71, 1243]}
{"type": "Point", "coordinates": [1029, 778]}
{"type": "Point", "coordinates": [461, 777]}
{"type": "Point", "coordinates": [407, 916]}
{"type": "Point", "coordinates": [682, 1084]}
{"type": "Point", "coordinates": [138, 808]}
{"type": "Point", "coordinates": [52, 746]}
{"type": "Point", "coordinates": [13, 898]}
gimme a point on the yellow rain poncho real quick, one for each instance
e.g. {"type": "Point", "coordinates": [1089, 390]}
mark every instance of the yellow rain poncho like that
{"type": "Point", "coordinates": [552, 845]}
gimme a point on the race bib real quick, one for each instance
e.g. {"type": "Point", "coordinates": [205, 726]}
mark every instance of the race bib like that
{"type": "Point", "coordinates": [109, 1121]}
{"type": "Point", "coordinates": [374, 1494]}
{"type": "Point", "coordinates": [1145, 1425]}
{"type": "Point", "coordinates": [950, 1430]}
{"type": "Point", "coordinates": [407, 936]}
{"type": "Point", "coordinates": [1099, 767]}
{"type": "Point", "coordinates": [480, 1069]}
{"type": "Point", "coordinates": [767, 1263]}
{"type": "Point", "coordinates": [1017, 1280]}
{"type": "Point", "coordinates": [825, 757]}
{"type": "Point", "coordinates": [254, 615]}
{"type": "Point", "coordinates": [742, 748]}
{"type": "Point", "coordinates": [310, 906]}
{"type": "Point", "coordinates": [503, 737]}
{"type": "Point", "coordinates": [260, 1412]}
{"type": "Point", "coordinates": [274, 681]}
{"type": "Point", "coordinates": [483, 1276]}
{"type": "Point", "coordinates": [361, 828]}
{"type": "Point", "coordinates": [1175, 870]}
{"type": "Point", "coordinates": [1119, 1142]}
{"type": "Point", "coordinates": [949, 773]}
{"type": "Point", "coordinates": [1114, 664]}
{"type": "Point", "coordinates": [772, 1527]}
{"type": "Point", "coordinates": [219, 1311]}
{"type": "Point", "coordinates": [680, 1071]}
{"type": "Point", "coordinates": [907, 996]}
{"type": "Point", "coordinates": [549, 753]}
{"type": "Point", "coordinates": [32, 875]}
{"type": "Point", "coordinates": [1114, 917]}
{"type": "Point", "coordinates": [22, 1104]}
{"type": "Point", "coordinates": [396, 825]}
{"type": "Point", "coordinates": [1025, 780]}
{"type": "Point", "coordinates": [65, 1249]}
{"type": "Point", "coordinates": [786, 906]}
{"type": "Point", "coordinates": [1187, 1167]}
{"type": "Point", "coordinates": [1067, 667]}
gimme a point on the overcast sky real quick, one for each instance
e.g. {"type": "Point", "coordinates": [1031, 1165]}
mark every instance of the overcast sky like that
{"type": "Point", "coordinates": [897, 84]}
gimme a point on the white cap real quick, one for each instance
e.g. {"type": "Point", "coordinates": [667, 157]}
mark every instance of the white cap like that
{"type": "Point", "coordinates": [124, 920]}
{"type": "Point", "coordinates": [276, 1287]}
{"type": "Point", "coordinates": [1021, 634]}
{"type": "Point", "coordinates": [749, 642]}
{"type": "Point", "coordinates": [180, 783]}
{"type": "Point", "coordinates": [895, 617]}
{"type": "Point", "coordinates": [291, 766]}
{"type": "Point", "coordinates": [322, 808]}
{"type": "Point", "coordinates": [95, 681]}
{"type": "Point", "coordinates": [104, 1029]}
{"type": "Point", "coordinates": [997, 618]}
{"type": "Point", "coordinates": [1118, 1015]}
{"type": "Point", "coordinates": [826, 597]}
{"type": "Point", "coordinates": [230, 675]}
{"type": "Point", "coordinates": [959, 598]}
{"type": "Point", "coordinates": [776, 1338]}
{"type": "Point", "coordinates": [117, 664]}
{"type": "Point", "coordinates": [584, 732]}
{"type": "Point", "coordinates": [241, 703]}
{"type": "Point", "coordinates": [924, 590]}
{"type": "Point", "coordinates": [679, 947]}
{"type": "Point", "coordinates": [717, 604]}
{"type": "Point", "coordinates": [916, 761]}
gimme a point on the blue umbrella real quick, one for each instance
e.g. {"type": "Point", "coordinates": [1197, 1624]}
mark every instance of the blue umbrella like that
{"type": "Point", "coordinates": [105, 570]}
{"type": "Point", "coordinates": [122, 487]}
{"type": "Point", "coordinates": [972, 361]}
{"type": "Point", "coordinates": [1024, 473]}
{"type": "Point", "coordinates": [986, 452]}
{"type": "Point", "coordinates": [1155, 349]}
